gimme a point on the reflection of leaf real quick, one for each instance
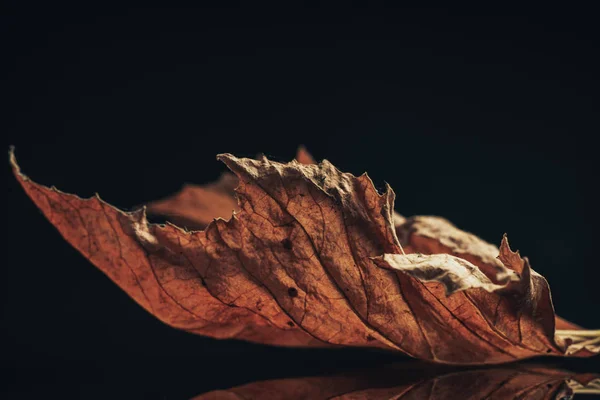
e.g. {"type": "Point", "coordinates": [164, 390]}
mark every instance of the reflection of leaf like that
{"type": "Point", "coordinates": [410, 382]}
{"type": "Point", "coordinates": [312, 259]}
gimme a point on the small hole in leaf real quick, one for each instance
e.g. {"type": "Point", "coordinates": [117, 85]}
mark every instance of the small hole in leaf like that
{"type": "Point", "coordinates": [549, 351]}
{"type": "Point", "coordinates": [290, 323]}
{"type": "Point", "coordinates": [370, 338]}
{"type": "Point", "coordinates": [293, 292]}
{"type": "Point", "coordinates": [287, 244]}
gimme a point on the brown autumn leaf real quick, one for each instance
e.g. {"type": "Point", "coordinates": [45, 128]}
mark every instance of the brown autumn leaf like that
{"type": "Point", "coordinates": [195, 206]}
{"type": "Point", "coordinates": [436, 235]}
{"type": "Point", "coordinates": [312, 259]}
{"type": "Point", "coordinates": [404, 382]}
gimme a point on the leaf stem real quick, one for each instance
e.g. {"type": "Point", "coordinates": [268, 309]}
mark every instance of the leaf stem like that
{"type": "Point", "coordinates": [592, 387]}
{"type": "Point", "coordinates": [582, 333]}
{"type": "Point", "coordinates": [579, 339]}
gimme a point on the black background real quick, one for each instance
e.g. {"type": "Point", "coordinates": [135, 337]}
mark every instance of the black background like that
{"type": "Point", "coordinates": [484, 116]}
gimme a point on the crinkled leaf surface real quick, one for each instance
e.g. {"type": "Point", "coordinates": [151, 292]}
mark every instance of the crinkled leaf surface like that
{"type": "Point", "coordinates": [404, 383]}
{"type": "Point", "coordinates": [195, 206]}
{"type": "Point", "coordinates": [312, 258]}
{"type": "Point", "coordinates": [436, 235]}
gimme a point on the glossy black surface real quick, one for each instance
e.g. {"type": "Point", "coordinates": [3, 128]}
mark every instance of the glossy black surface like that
{"type": "Point", "coordinates": [183, 377]}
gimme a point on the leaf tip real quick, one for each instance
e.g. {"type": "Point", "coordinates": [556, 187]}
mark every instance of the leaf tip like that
{"type": "Point", "coordinates": [139, 214]}
{"type": "Point", "coordinates": [303, 156]}
{"type": "Point", "coordinates": [229, 160]}
{"type": "Point", "coordinates": [380, 261]}
{"type": "Point", "coordinates": [504, 245]}
{"type": "Point", "coordinates": [225, 156]}
{"type": "Point", "coordinates": [12, 159]}
{"type": "Point", "coordinates": [11, 152]}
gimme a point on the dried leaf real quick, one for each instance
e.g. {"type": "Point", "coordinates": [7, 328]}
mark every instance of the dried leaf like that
{"type": "Point", "coordinates": [304, 157]}
{"type": "Point", "coordinates": [195, 206]}
{"type": "Point", "coordinates": [402, 383]}
{"type": "Point", "coordinates": [312, 259]}
{"type": "Point", "coordinates": [435, 235]}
